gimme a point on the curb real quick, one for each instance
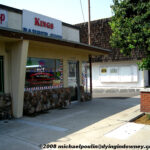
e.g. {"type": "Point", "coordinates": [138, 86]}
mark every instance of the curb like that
{"type": "Point", "coordinates": [133, 119]}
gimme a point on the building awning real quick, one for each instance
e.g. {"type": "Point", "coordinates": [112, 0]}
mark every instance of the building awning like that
{"type": "Point", "coordinates": [16, 34]}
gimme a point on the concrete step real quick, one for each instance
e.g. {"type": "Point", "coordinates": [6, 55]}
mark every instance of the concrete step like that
{"type": "Point", "coordinates": [117, 92]}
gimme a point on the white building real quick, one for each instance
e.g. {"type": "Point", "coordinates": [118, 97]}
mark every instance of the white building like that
{"type": "Point", "coordinates": [119, 75]}
{"type": "Point", "coordinates": [115, 72]}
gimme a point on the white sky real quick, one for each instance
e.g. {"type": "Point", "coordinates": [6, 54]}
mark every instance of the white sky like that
{"type": "Point", "coordinates": [68, 11]}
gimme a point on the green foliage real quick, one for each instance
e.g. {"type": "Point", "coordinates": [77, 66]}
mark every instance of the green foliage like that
{"type": "Point", "coordinates": [144, 64]}
{"type": "Point", "coordinates": [148, 116]}
{"type": "Point", "coordinates": [131, 28]}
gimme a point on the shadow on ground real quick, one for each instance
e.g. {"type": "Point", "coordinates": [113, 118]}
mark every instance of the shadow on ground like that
{"type": "Point", "coordinates": [29, 132]}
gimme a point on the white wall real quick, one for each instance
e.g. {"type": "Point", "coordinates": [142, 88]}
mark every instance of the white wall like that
{"type": "Point", "coordinates": [70, 34]}
{"type": "Point", "coordinates": [146, 80]}
{"type": "Point", "coordinates": [134, 82]}
{"type": "Point", "coordinates": [14, 20]}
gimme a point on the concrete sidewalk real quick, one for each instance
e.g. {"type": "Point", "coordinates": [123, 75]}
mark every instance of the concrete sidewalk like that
{"type": "Point", "coordinates": [93, 122]}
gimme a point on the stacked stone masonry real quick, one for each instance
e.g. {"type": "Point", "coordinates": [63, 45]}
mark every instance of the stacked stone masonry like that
{"type": "Point", "coordinates": [100, 36]}
{"type": "Point", "coordinates": [36, 102]}
{"type": "Point", "coordinates": [5, 106]}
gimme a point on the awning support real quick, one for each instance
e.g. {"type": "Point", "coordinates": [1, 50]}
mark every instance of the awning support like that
{"type": "Point", "coordinates": [90, 65]}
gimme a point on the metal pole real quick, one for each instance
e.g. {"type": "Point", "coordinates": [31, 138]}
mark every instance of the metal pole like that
{"type": "Point", "coordinates": [78, 81]}
{"type": "Point", "coordinates": [89, 26]}
{"type": "Point", "coordinates": [90, 67]}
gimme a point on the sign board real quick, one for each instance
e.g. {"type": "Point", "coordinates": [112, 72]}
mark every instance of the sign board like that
{"type": "Point", "coordinates": [3, 18]}
{"type": "Point", "coordinates": [41, 25]}
{"type": "Point", "coordinates": [103, 70]}
{"type": "Point", "coordinates": [104, 74]}
{"type": "Point", "coordinates": [119, 74]}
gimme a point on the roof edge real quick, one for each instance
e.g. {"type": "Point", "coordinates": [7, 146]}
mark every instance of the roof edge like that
{"type": "Point", "coordinates": [20, 12]}
{"type": "Point", "coordinates": [11, 33]}
{"type": "Point", "coordinates": [11, 9]}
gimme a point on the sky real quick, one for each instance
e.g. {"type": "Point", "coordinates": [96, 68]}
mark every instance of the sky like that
{"type": "Point", "coordinates": [68, 11]}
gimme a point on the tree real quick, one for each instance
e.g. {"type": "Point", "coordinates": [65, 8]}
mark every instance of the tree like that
{"type": "Point", "coordinates": [131, 28]}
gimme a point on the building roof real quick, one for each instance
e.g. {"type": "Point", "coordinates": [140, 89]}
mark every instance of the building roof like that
{"type": "Point", "coordinates": [20, 12]}
{"type": "Point", "coordinates": [100, 37]}
{"type": "Point", "coordinates": [12, 33]}
{"type": "Point", "coordinates": [17, 34]}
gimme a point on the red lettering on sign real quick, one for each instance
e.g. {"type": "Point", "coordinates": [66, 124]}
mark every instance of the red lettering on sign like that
{"type": "Point", "coordinates": [2, 18]}
{"type": "Point", "coordinates": [41, 23]}
{"type": "Point", "coordinates": [52, 26]}
{"type": "Point", "coordinates": [36, 22]}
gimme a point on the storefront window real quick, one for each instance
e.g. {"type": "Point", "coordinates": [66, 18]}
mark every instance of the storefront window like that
{"type": "Point", "coordinates": [43, 74]}
{"type": "Point", "coordinates": [1, 75]}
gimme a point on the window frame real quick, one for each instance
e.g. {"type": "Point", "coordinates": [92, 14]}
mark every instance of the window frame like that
{"type": "Point", "coordinates": [55, 70]}
{"type": "Point", "coordinates": [2, 74]}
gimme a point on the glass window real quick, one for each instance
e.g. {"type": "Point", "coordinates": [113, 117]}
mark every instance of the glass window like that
{"type": "Point", "coordinates": [43, 73]}
{"type": "Point", "coordinates": [1, 75]}
{"type": "Point", "coordinates": [72, 69]}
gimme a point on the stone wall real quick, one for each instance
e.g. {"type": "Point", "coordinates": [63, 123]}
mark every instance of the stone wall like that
{"type": "Point", "coordinates": [36, 102]}
{"type": "Point", "coordinates": [100, 36]}
{"type": "Point", "coordinates": [40, 101]}
{"type": "Point", "coordinates": [5, 106]}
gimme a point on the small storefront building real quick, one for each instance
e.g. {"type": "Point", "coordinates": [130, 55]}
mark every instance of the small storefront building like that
{"type": "Point", "coordinates": [39, 54]}
{"type": "Point", "coordinates": [114, 73]}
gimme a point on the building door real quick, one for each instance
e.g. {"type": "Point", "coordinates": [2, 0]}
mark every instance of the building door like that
{"type": "Point", "coordinates": [1, 75]}
{"type": "Point", "coordinates": [74, 79]}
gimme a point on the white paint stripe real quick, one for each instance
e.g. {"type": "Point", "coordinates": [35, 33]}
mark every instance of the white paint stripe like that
{"type": "Point", "coordinates": [125, 131]}
{"type": "Point", "coordinates": [36, 124]}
